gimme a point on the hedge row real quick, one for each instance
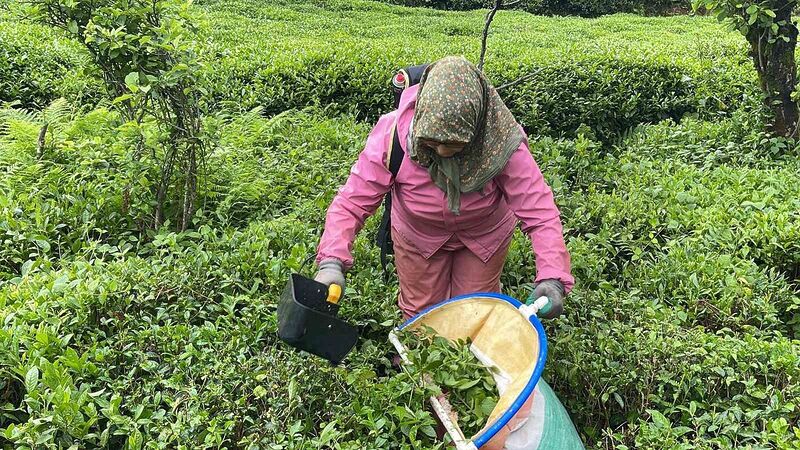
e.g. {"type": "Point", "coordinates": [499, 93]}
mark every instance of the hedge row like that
{"type": "Point", "coordinates": [182, 339]}
{"type": "Point", "coordinates": [592, 8]}
{"type": "Point", "coordinates": [684, 325]}
{"type": "Point", "coordinates": [644, 381]}
{"type": "Point", "coordinates": [616, 73]}
{"type": "Point", "coordinates": [37, 65]}
{"type": "Point", "coordinates": [73, 196]}
{"type": "Point", "coordinates": [749, 213]}
{"type": "Point", "coordinates": [737, 141]}
{"type": "Point", "coordinates": [713, 241]}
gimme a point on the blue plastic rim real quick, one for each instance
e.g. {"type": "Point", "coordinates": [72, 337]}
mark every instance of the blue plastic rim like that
{"type": "Point", "coordinates": [487, 435]}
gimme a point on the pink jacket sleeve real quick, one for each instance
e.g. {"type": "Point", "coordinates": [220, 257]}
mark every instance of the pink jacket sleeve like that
{"type": "Point", "coordinates": [531, 200]}
{"type": "Point", "coordinates": [360, 196]}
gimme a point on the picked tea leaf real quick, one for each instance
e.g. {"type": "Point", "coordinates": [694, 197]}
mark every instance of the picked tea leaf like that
{"type": "Point", "coordinates": [466, 382]}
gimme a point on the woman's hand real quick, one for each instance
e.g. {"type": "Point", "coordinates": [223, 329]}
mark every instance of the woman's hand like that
{"type": "Point", "coordinates": [554, 291]}
{"type": "Point", "coordinates": [331, 272]}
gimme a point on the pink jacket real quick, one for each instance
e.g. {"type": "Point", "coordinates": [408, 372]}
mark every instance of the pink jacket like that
{"type": "Point", "coordinates": [419, 207]}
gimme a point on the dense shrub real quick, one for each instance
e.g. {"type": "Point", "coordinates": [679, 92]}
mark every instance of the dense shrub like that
{"type": "Point", "coordinates": [738, 141]}
{"type": "Point", "coordinates": [84, 188]}
{"type": "Point", "coordinates": [341, 55]}
{"type": "Point", "coordinates": [290, 163]}
{"type": "Point", "coordinates": [182, 347]}
{"type": "Point", "coordinates": [645, 381]}
{"type": "Point", "coordinates": [452, 5]}
{"type": "Point", "coordinates": [750, 213]}
{"type": "Point", "coordinates": [52, 206]}
{"type": "Point", "coordinates": [611, 83]}
{"type": "Point", "coordinates": [591, 8]}
{"type": "Point", "coordinates": [594, 8]}
{"type": "Point", "coordinates": [679, 331]}
{"type": "Point", "coordinates": [38, 65]}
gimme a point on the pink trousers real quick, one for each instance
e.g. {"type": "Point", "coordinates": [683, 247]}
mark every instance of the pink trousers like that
{"type": "Point", "coordinates": [452, 271]}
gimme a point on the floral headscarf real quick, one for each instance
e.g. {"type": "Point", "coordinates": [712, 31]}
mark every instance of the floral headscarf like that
{"type": "Point", "coordinates": [455, 104]}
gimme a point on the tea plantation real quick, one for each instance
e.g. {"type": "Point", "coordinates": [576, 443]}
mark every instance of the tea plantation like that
{"type": "Point", "coordinates": [681, 214]}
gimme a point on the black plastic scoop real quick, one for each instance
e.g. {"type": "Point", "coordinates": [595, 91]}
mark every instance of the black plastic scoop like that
{"type": "Point", "coordinates": [307, 320]}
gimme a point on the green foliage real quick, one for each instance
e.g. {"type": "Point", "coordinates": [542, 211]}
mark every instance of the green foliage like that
{"type": "Point", "coordinates": [630, 356]}
{"type": "Point", "coordinates": [454, 372]}
{"type": "Point", "coordinates": [302, 152]}
{"type": "Point", "coordinates": [747, 16]}
{"type": "Point", "coordinates": [153, 40]}
{"type": "Point", "coordinates": [178, 346]}
{"type": "Point", "coordinates": [38, 65]}
{"type": "Point", "coordinates": [610, 84]}
{"type": "Point", "coordinates": [594, 8]}
{"type": "Point", "coordinates": [771, 33]}
{"type": "Point", "coordinates": [147, 54]}
{"type": "Point", "coordinates": [678, 322]}
{"type": "Point", "coordinates": [85, 188]}
{"type": "Point", "coordinates": [738, 141]}
{"type": "Point", "coordinates": [618, 72]}
{"type": "Point", "coordinates": [591, 8]}
{"type": "Point", "coordinates": [55, 205]}
{"type": "Point", "coordinates": [452, 5]}
{"type": "Point", "coordinates": [682, 331]}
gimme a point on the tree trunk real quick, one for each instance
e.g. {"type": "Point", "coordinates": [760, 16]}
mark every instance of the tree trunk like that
{"type": "Point", "coordinates": [777, 72]}
{"type": "Point", "coordinates": [163, 186]}
{"type": "Point", "coordinates": [190, 190]}
{"type": "Point", "coordinates": [41, 141]}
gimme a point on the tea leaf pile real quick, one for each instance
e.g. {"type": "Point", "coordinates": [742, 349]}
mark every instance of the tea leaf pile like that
{"type": "Point", "coordinates": [455, 371]}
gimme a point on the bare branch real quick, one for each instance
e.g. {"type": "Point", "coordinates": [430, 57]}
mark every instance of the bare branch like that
{"type": "Point", "coordinates": [489, 17]}
{"type": "Point", "coordinates": [519, 80]}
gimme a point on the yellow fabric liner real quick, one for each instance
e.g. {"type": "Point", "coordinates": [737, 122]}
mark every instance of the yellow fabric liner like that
{"type": "Point", "coordinates": [498, 330]}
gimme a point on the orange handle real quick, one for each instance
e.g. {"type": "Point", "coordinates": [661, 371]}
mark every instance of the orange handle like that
{"type": "Point", "coordinates": [334, 293]}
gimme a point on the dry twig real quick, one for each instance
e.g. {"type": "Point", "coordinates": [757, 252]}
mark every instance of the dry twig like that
{"type": "Point", "coordinates": [519, 80]}
{"type": "Point", "coordinates": [489, 17]}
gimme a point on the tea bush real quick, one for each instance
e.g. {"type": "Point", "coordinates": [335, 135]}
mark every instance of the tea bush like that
{"type": "Point", "coordinates": [738, 141]}
{"type": "Point", "coordinates": [752, 213]}
{"type": "Point", "coordinates": [718, 291]}
{"type": "Point", "coordinates": [596, 8]}
{"type": "Point", "coordinates": [643, 377]}
{"type": "Point", "coordinates": [180, 348]}
{"type": "Point", "coordinates": [616, 73]}
{"type": "Point", "coordinates": [679, 331]}
{"type": "Point", "coordinates": [560, 7]}
{"type": "Point", "coordinates": [38, 65]}
{"type": "Point", "coordinates": [682, 331]}
{"type": "Point", "coordinates": [52, 205]}
{"type": "Point", "coordinates": [607, 79]}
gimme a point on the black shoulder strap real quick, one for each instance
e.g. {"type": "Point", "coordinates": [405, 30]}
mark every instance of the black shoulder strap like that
{"type": "Point", "coordinates": [404, 78]}
{"type": "Point", "coordinates": [384, 235]}
{"type": "Point", "coordinates": [396, 155]}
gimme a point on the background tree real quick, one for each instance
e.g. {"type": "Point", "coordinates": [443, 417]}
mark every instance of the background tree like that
{"type": "Point", "coordinates": [772, 35]}
{"type": "Point", "coordinates": [147, 52]}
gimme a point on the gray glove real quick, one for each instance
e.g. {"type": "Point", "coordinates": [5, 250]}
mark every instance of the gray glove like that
{"type": "Point", "coordinates": [554, 291]}
{"type": "Point", "coordinates": [331, 271]}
